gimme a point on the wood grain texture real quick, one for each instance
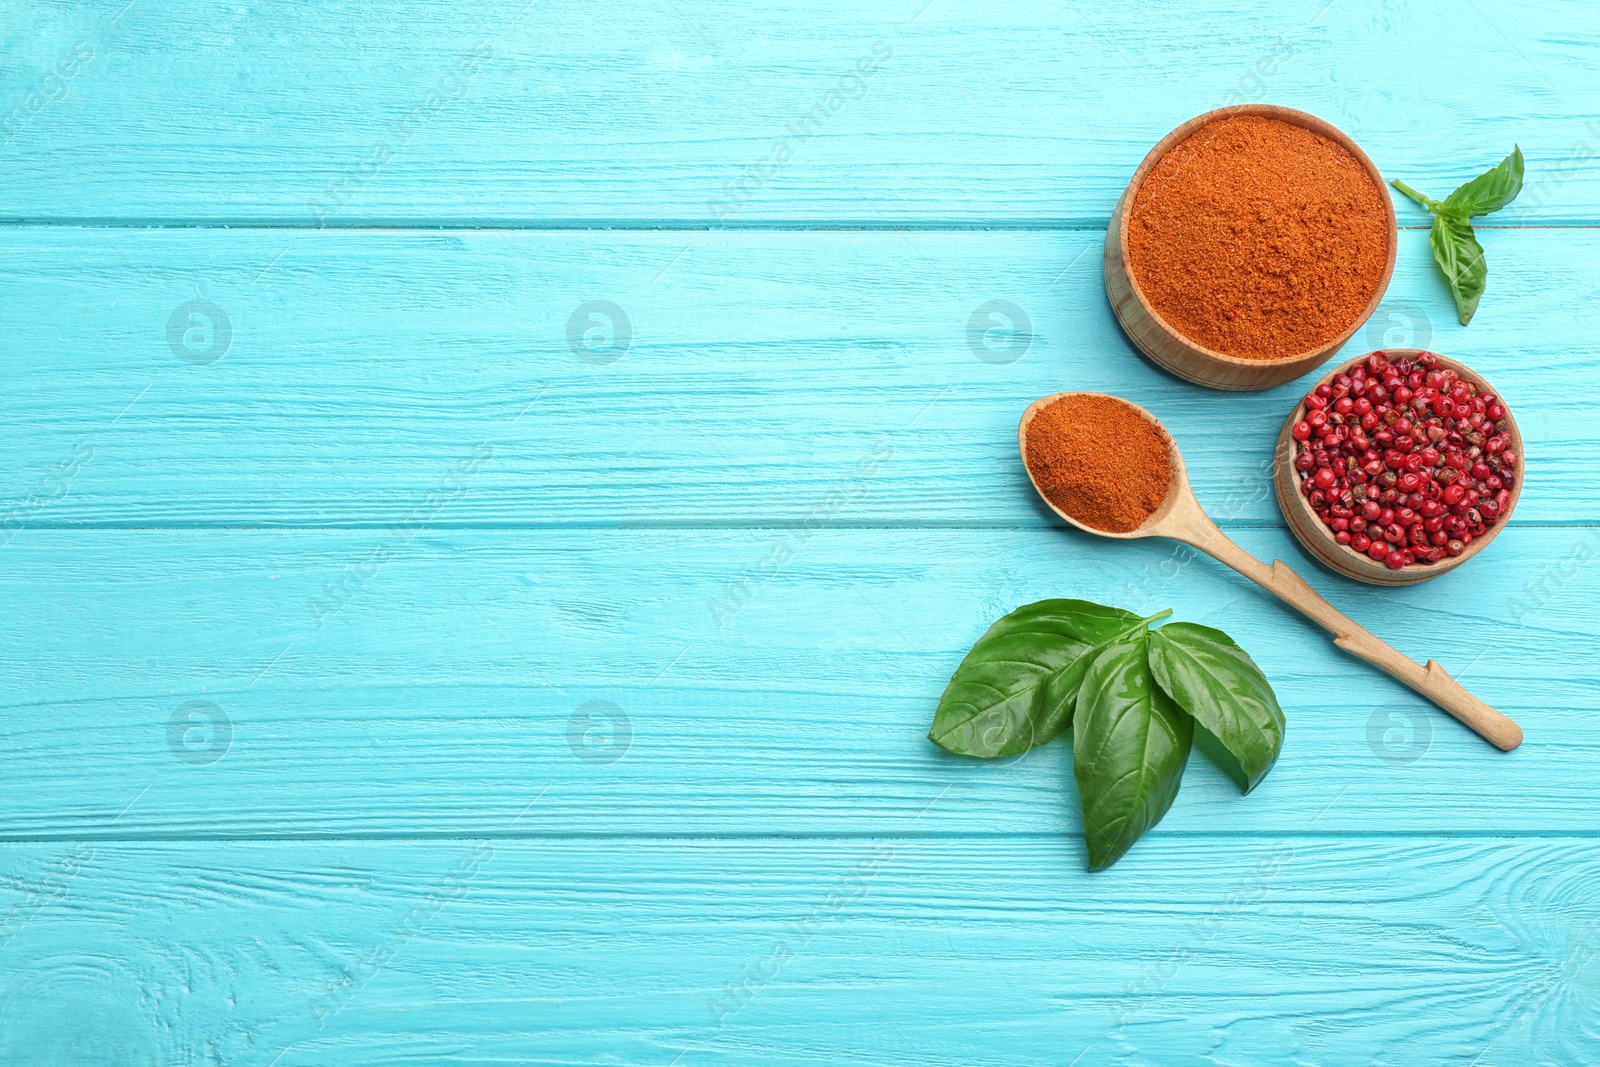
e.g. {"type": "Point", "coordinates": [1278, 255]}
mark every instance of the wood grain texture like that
{"type": "Point", "coordinates": [763, 369]}
{"type": "Point", "coordinates": [1009, 113]}
{"type": "Point", "coordinates": [452, 675]}
{"type": "Point", "coordinates": [1318, 950]}
{"type": "Point", "coordinates": [405, 682]}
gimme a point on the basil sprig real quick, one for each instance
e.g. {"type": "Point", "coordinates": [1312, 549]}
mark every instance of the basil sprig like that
{"type": "Point", "coordinates": [1132, 697]}
{"type": "Point", "coordinates": [1455, 246]}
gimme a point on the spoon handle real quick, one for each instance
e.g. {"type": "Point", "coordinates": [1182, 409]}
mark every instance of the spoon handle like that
{"type": "Point", "coordinates": [1430, 680]}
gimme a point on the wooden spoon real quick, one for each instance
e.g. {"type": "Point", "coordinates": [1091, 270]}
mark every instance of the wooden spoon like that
{"type": "Point", "coordinates": [1181, 518]}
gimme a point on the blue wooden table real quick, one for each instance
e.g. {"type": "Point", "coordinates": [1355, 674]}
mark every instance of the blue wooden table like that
{"type": "Point", "coordinates": [492, 493]}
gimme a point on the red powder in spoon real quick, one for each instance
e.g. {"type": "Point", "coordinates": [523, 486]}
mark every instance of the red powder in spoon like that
{"type": "Point", "coordinates": [1099, 460]}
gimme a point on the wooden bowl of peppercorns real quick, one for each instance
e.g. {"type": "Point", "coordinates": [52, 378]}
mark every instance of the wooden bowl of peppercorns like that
{"type": "Point", "coordinates": [1398, 467]}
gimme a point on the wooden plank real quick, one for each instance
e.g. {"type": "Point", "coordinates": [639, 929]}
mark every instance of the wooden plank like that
{"type": "Point", "coordinates": [1012, 113]}
{"type": "Point", "coordinates": [364, 370]}
{"type": "Point", "coordinates": [336, 683]}
{"type": "Point", "coordinates": [1317, 949]}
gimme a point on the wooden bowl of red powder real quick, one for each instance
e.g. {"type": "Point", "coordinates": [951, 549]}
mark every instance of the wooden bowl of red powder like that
{"type": "Point", "coordinates": [1250, 245]}
{"type": "Point", "coordinates": [1399, 466]}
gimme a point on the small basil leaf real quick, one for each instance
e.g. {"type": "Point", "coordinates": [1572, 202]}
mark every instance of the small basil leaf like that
{"type": "Point", "coordinates": [1015, 690]}
{"type": "Point", "coordinates": [1460, 259]}
{"type": "Point", "coordinates": [1219, 685]}
{"type": "Point", "coordinates": [1129, 746]}
{"type": "Point", "coordinates": [1489, 191]}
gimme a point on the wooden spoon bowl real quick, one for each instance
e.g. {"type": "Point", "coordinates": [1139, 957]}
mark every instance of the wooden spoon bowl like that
{"type": "Point", "coordinates": [1314, 535]}
{"type": "Point", "coordinates": [1168, 519]}
{"type": "Point", "coordinates": [1161, 341]}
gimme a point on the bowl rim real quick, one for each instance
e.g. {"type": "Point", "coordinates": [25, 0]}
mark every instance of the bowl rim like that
{"type": "Point", "coordinates": [1286, 114]}
{"type": "Point", "coordinates": [1343, 558]}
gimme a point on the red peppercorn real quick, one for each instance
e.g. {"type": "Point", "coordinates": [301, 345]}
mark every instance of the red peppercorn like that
{"type": "Point", "coordinates": [1404, 460]}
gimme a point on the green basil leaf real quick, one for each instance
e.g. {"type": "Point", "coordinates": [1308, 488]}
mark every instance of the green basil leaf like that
{"type": "Point", "coordinates": [1220, 686]}
{"type": "Point", "coordinates": [1489, 191]}
{"type": "Point", "coordinates": [1460, 259]}
{"type": "Point", "coordinates": [1129, 746]}
{"type": "Point", "coordinates": [1015, 690]}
